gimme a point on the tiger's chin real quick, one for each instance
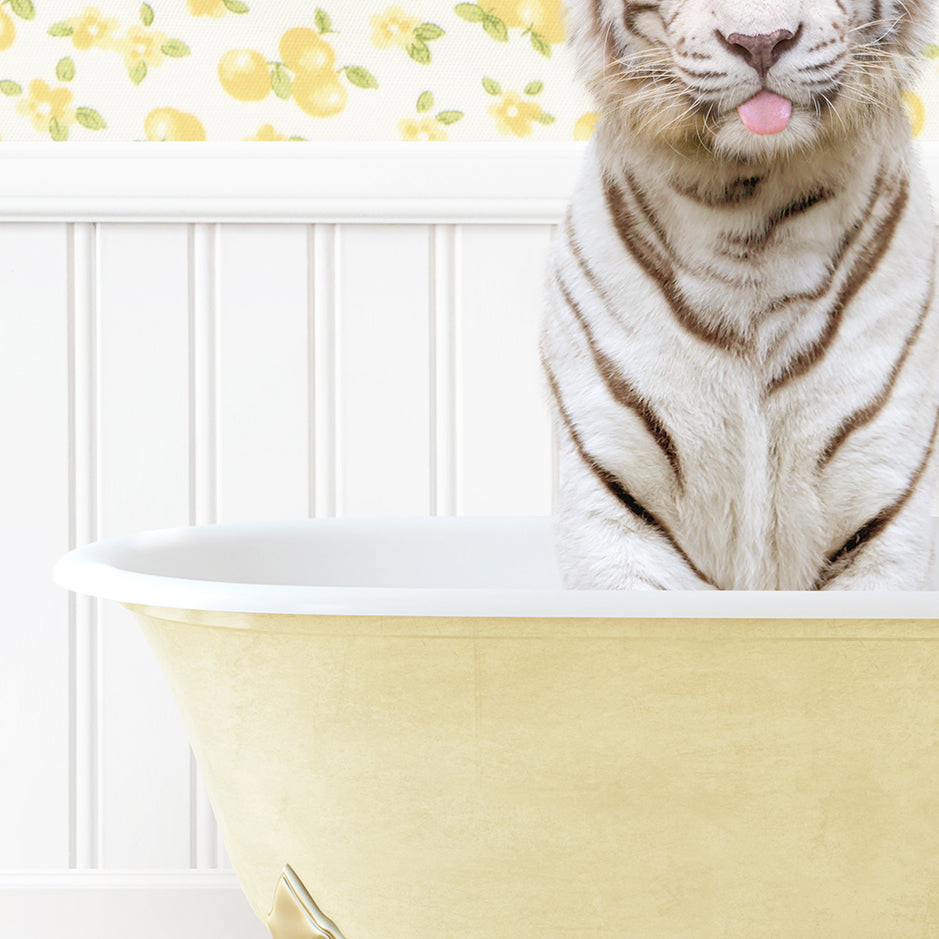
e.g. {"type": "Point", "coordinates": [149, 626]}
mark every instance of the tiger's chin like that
{"type": "Point", "coordinates": [732, 140]}
{"type": "Point", "coordinates": [697, 136]}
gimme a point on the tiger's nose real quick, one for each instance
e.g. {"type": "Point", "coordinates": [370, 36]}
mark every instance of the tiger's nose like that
{"type": "Point", "coordinates": [761, 51]}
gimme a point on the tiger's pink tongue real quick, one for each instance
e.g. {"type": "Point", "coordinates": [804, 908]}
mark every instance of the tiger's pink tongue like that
{"type": "Point", "coordinates": [765, 113]}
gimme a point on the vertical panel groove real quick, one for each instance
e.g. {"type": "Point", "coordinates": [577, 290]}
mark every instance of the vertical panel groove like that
{"type": "Point", "coordinates": [72, 543]}
{"type": "Point", "coordinates": [84, 525]}
{"type": "Point", "coordinates": [443, 267]}
{"type": "Point", "coordinates": [203, 485]}
{"type": "Point", "coordinates": [324, 372]}
{"type": "Point", "coordinates": [457, 371]}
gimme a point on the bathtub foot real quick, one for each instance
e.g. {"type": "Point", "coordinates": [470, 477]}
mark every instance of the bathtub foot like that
{"type": "Point", "coordinates": [294, 915]}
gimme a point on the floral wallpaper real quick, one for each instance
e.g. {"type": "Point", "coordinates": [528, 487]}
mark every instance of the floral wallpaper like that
{"type": "Point", "coordinates": [296, 70]}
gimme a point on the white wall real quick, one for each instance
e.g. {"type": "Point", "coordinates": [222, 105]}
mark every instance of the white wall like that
{"type": "Point", "coordinates": [222, 334]}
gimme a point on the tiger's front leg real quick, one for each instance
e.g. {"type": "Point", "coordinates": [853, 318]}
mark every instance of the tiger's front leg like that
{"type": "Point", "coordinates": [605, 543]}
{"type": "Point", "coordinates": [891, 552]}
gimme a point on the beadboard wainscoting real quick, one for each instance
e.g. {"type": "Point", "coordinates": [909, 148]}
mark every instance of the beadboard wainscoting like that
{"type": "Point", "coordinates": [207, 333]}
{"type": "Point", "coordinates": [201, 333]}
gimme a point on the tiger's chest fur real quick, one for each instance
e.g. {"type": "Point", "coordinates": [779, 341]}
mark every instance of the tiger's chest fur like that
{"type": "Point", "coordinates": [741, 339]}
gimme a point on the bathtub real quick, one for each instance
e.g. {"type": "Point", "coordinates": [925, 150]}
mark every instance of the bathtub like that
{"type": "Point", "coordinates": [407, 728]}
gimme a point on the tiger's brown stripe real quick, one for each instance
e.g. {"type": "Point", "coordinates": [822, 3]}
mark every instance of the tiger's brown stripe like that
{"type": "Point", "coordinates": [612, 484]}
{"type": "Point", "coordinates": [623, 392]}
{"type": "Point", "coordinates": [739, 190]}
{"type": "Point", "coordinates": [865, 265]}
{"type": "Point", "coordinates": [757, 240]}
{"type": "Point", "coordinates": [574, 244]}
{"type": "Point", "coordinates": [872, 528]}
{"type": "Point", "coordinates": [867, 413]}
{"type": "Point", "coordinates": [654, 265]}
{"type": "Point", "coordinates": [834, 265]}
{"type": "Point", "coordinates": [633, 10]}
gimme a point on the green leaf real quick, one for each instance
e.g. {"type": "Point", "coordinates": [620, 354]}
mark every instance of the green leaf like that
{"type": "Point", "coordinates": [449, 117]}
{"type": "Point", "coordinates": [65, 70]}
{"type": "Point", "coordinates": [360, 77]}
{"type": "Point", "coordinates": [419, 52]}
{"type": "Point", "coordinates": [281, 82]}
{"type": "Point", "coordinates": [175, 48]}
{"type": "Point", "coordinates": [323, 23]}
{"type": "Point", "coordinates": [427, 32]}
{"type": "Point", "coordinates": [90, 118]}
{"type": "Point", "coordinates": [10, 88]}
{"type": "Point", "coordinates": [540, 44]}
{"type": "Point", "coordinates": [426, 101]}
{"type": "Point", "coordinates": [471, 12]}
{"type": "Point", "coordinates": [495, 28]}
{"type": "Point", "coordinates": [137, 72]}
{"type": "Point", "coordinates": [296, 138]}
{"type": "Point", "coordinates": [25, 10]}
{"type": "Point", "coordinates": [235, 6]}
{"type": "Point", "coordinates": [492, 86]}
{"type": "Point", "coordinates": [545, 118]}
{"type": "Point", "coordinates": [58, 131]}
{"type": "Point", "coordinates": [61, 29]}
{"type": "Point", "coordinates": [146, 15]}
{"type": "Point", "coordinates": [534, 88]}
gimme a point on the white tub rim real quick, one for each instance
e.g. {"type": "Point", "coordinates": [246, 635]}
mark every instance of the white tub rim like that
{"type": "Point", "coordinates": [111, 569]}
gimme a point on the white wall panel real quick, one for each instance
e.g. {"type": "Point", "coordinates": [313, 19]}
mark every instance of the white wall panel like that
{"type": "Point", "coordinates": [160, 374]}
{"type": "Point", "coordinates": [144, 482]}
{"type": "Point", "coordinates": [34, 529]}
{"type": "Point", "coordinates": [384, 370]}
{"type": "Point", "coordinates": [504, 429]}
{"type": "Point", "coordinates": [263, 353]}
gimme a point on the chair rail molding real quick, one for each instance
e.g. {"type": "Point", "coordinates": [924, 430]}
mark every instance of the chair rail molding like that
{"type": "Point", "coordinates": [287, 182]}
{"type": "Point", "coordinates": [297, 181]}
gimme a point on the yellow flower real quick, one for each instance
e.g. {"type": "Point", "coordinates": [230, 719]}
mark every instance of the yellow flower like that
{"type": "Point", "coordinates": [392, 28]}
{"type": "Point", "coordinates": [170, 124]}
{"type": "Point", "coordinates": [583, 129]}
{"type": "Point", "coordinates": [267, 132]}
{"type": "Point", "coordinates": [513, 115]}
{"type": "Point", "coordinates": [214, 8]}
{"type": "Point", "coordinates": [142, 45]}
{"type": "Point", "coordinates": [421, 128]}
{"type": "Point", "coordinates": [44, 103]}
{"type": "Point", "coordinates": [92, 29]}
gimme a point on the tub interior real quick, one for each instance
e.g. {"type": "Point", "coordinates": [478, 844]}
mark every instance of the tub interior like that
{"type": "Point", "coordinates": [513, 553]}
{"type": "Point", "coordinates": [418, 553]}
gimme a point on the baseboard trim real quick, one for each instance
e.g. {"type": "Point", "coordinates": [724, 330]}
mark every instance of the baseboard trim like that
{"type": "Point", "coordinates": [118, 904]}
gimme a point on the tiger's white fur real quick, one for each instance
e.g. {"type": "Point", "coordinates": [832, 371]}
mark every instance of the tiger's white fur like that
{"type": "Point", "coordinates": [741, 333]}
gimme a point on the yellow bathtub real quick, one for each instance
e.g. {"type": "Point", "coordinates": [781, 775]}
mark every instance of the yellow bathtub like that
{"type": "Point", "coordinates": [407, 729]}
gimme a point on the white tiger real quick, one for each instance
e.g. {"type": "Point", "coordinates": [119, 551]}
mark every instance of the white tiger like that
{"type": "Point", "coordinates": [741, 333]}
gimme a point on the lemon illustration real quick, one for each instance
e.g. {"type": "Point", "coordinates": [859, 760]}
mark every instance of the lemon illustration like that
{"type": "Point", "coordinates": [244, 74]}
{"type": "Point", "coordinates": [170, 124]}
{"type": "Point", "coordinates": [915, 111]}
{"type": "Point", "coordinates": [319, 94]}
{"type": "Point", "coordinates": [507, 11]}
{"type": "Point", "coordinates": [7, 31]}
{"type": "Point", "coordinates": [544, 17]}
{"type": "Point", "coordinates": [583, 129]}
{"type": "Point", "coordinates": [302, 50]}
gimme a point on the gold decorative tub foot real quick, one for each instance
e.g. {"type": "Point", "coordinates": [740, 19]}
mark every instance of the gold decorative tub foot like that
{"type": "Point", "coordinates": [294, 914]}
